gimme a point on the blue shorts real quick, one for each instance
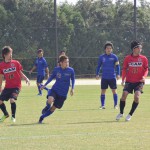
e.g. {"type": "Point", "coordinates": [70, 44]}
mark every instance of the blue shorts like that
{"type": "Point", "coordinates": [130, 87]}
{"type": "Point", "coordinates": [40, 78]}
{"type": "Point", "coordinates": [112, 83]}
{"type": "Point", "coordinates": [58, 100]}
{"type": "Point", "coordinates": [8, 93]}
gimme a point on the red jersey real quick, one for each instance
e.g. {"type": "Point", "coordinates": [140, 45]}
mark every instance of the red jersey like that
{"type": "Point", "coordinates": [11, 72]}
{"type": "Point", "coordinates": [134, 68]}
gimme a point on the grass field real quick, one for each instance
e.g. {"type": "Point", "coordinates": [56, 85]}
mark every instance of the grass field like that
{"type": "Point", "coordinates": [79, 125]}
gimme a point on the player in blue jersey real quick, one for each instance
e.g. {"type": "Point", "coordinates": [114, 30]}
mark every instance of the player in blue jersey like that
{"type": "Point", "coordinates": [42, 68]}
{"type": "Point", "coordinates": [58, 93]}
{"type": "Point", "coordinates": [109, 64]}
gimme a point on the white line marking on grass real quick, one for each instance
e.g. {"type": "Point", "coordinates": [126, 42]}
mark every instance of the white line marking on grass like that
{"type": "Point", "coordinates": [68, 135]}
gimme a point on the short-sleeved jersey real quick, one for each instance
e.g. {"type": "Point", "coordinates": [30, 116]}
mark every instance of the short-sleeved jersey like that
{"type": "Point", "coordinates": [63, 77]}
{"type": "Point", "coordinates": [134, 68]}
{"type": "Point", "coordinates": [11, 72]}
{"type": "Point", "coordinates": [107, 64]}
{"type": "Point", "coordinates": [41, 65]}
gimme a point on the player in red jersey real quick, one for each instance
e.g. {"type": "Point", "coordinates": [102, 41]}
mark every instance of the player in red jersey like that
{"type": "Point", "coordinates": [11, 70]}
{"type": "Point", "coordinates": [134, 72]}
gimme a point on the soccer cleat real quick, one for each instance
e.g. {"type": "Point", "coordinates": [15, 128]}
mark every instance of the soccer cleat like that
{"type": "Point", "coordinates": [128, 118]}
{"type": "Point", "coordinates": [3, 118]}
{"type": "Point", "coordinates": [115, 107]}
{"type": "Point", "coordinates": [119, 116]}
{"type": "Point", "coordinates": [13, 119]}
{"type": "Point", "coordinates": [45, 109]}
{"type": "Point", "coordinates": [102, 107]}
{"type": "Point", "coordinates": [39, 94]}
{"type": "Point", "coordinates": [40, 120]}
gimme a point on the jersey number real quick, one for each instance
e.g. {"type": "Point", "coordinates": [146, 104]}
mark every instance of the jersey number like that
{"type": "Point", "coordinates": [11, 76]}
{"type": "Point", "coordinates": [135, 70]}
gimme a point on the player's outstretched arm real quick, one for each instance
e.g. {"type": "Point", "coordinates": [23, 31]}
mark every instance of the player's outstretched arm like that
{"type": "Point", "coordinates": [34, 67]}
{"type": "Point", "coordinates": [47, 72]}
{"type": "Point", "coordinates": [117, 70]}
{"type": "Point", "coordinates": [23, 76]}
{"type": "Point", "coordinates": [71, 92]}
{"type": "Point", "coordinates": [122, 83]}
{"type": "Point", "coordinates": [42, 87]}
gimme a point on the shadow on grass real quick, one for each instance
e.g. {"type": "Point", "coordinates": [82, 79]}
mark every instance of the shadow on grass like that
{"type": "Point", "coordinates": [109, 121]}
{"type": "Point", "coordinates": [28, 124]}
{"type": "Point", "coordinates": [80, 110]}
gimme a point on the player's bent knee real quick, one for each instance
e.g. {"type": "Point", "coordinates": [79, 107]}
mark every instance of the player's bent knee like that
{"type": "Point", "coordinates": [50, 100]}
{"type": "Point", "coordinates": [12, 100]}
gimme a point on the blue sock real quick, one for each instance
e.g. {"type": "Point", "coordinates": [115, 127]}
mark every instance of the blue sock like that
{"type": "Point", "coordinates": [46, 114]}
{"type": "Point", "coordinates": [103, 100]}
{"type": "Point", "coordinates": [48, 105]}
{"type": "Point", "coordinates": [115, 99]}
{"type": "Point", "coordinates": [45, 87]}
{"type": "Point", "coordinates": [40, 92]}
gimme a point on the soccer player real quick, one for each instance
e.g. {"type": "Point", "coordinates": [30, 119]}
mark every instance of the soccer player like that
{"type": "Point", "coordinates": [11, 70]}
{"type": "Point", "coordinates": [108, 62]}
{"type": "Point", "coordinates": [42, 67]}
{"type": "Point", "coordinates": [58, 93]}
{"type": "Point", "coordinates": [134, 72]}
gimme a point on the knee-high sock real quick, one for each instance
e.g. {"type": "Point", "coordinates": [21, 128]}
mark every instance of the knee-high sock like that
{"type": "Point", "coordinates": [115, 96]}
{"type": "Point", "coordinates": [40, 92]}
{"type": "Point", "coordinates": [133, 108]}
{"type": "Point", "coordinates": [102, 99]}
{"type": "Point", "coordinates": [48, 105]}
{"type": "Point", "coordinates": [46, 114]}
{"type": "Point", "coordinates": [122, 105]}
{"type": "Point", "coordinates": [3, 108]}
{"type": "Point", "coordinates": [13, 109]}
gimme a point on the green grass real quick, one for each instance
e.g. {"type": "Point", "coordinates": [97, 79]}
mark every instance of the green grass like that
{"type": "Point", "coordinates": [79, 125]}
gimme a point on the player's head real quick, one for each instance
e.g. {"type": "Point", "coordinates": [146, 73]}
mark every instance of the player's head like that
{"type": "Point", "coordinates": [40, 52]}
{"type": "Point", "coordinates": [108, 47]}
{"type": "Point", "coordinates": [135, 44]}
{"type": "Point", "coordinates": [64, 61]}
{"type": "Point", "coordinates": [7, 53]}
{"type": "Point", "coordinates": [136, 47]}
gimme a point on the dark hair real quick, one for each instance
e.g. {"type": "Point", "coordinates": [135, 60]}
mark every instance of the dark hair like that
{"type": "Point", "coordinates": [135, 44]}
{"type": "Point", "coordinates": [108, 44]}
{"type": "Point", "coordinates": [62, 51]}
{"type": "Point", "coordinates": [62, 58]}
{"type": "Point", "coordinates": [6, 50]}
{"type": "Point", "coordinates": [40, 50]}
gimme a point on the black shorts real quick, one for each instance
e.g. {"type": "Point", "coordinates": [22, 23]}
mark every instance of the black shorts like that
{"type": "Point", "coordinates": [130, 87]}
{"type": "Point", "coordinates": [112, 83]}
{"type": "Point", "coordinates": [8, 93]}
{"type": "Point", "coordinates": [58, 100]}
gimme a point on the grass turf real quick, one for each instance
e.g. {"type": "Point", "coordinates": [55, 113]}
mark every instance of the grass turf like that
{"type": "Point", "coordinates": [79, 125]}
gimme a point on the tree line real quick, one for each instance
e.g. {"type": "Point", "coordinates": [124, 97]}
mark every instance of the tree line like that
{"type": "Point", "coordinates": [83, 29]}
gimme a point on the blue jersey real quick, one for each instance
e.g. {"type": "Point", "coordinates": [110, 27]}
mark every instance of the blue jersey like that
{"type": "Point", "coordinates": [41, 65]}
{"type": "Point", "coordinates": [107, 64]}
{"type": "Point", "coordinates": [63, 77]}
